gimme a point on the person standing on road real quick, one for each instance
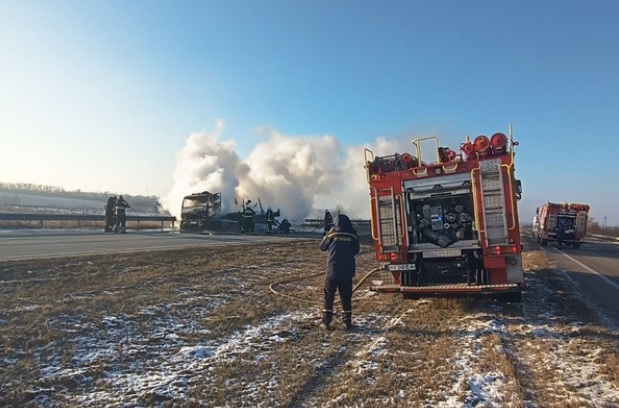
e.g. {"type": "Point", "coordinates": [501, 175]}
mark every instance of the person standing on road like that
{"type": "Point", "coordinates": [121, 216]}
{"type": "Point", "coordinates": [110, 208]}
{"type": "Point", "coordinates": [248, 218]}
{"type": "Point", "coordinates": [341, 245]}
{"type": "Point", "coordinates": [269, 219]}
{"type": "Point", "coordinates": [560, 231]}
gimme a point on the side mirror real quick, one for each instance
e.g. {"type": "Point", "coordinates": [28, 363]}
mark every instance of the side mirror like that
{"type": "Point", "coordinates": [518, 189]}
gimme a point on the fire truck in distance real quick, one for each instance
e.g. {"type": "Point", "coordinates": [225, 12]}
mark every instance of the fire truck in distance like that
{"type": "Point", "coordinates": [562, 223]}
{"type": "Point", "coordinates": [448, 227]}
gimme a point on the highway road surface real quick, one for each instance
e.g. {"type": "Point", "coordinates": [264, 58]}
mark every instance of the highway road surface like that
{"type": "Point", "coordinates": [36, 244]}
{"type": "Point", "coordinates": [594, 269]}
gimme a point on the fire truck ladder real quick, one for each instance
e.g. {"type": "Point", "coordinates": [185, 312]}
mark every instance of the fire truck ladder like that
{"type": "Point", "coordinates": [493, 197]}
{"type": "Point", "coordinates": [389, 224]}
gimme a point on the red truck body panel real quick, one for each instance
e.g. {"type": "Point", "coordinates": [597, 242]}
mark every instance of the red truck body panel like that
{"type": "Point", "coordinates": [448, 227]}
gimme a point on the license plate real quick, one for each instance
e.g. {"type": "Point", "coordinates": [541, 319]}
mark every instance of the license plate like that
{"type": "Point", "coordinates": [402, 267]}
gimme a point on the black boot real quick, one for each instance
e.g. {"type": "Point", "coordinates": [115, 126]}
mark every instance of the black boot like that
{"type": "Point", "coordinates": [327, 316]}
{"type": "Point", "coordinates": [347, 320]}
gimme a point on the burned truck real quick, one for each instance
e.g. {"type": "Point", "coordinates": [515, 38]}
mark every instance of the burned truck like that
{"type": "Point", "coordinates": [201, 212]}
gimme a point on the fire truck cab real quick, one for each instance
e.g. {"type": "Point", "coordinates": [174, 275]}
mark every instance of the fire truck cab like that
{"type": "Point", "coordinates": [448, 226]}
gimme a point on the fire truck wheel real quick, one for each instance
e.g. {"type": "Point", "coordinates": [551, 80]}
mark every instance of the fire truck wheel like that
{"type": "Point", "coordinates": [576, 245]}
{"type": "Point", "coordinates": [544, 242]}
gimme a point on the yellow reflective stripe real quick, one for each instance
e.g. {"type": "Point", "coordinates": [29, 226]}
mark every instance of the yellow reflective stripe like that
{"type": "Point", "coordinates": [348, 234]}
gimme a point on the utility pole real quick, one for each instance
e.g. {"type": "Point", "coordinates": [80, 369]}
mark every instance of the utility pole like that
{"type": "Point", "coordinates": [604, 222]}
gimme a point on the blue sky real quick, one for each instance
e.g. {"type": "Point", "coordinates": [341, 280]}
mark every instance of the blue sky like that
{"type": "Point", "coordinates": [101, 96]}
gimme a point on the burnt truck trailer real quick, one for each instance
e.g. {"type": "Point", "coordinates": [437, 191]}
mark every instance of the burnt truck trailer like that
{"type": "Point", "coordinates": [448, 227]}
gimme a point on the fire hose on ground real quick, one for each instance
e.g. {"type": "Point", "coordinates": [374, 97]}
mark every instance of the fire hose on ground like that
{"type": "Point", "coordinates": [297, 279]}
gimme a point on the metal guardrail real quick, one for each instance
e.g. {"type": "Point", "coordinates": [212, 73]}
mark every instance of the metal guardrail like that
{"type": "Point", "coordinates": [604, 237]}
{"type": "Point", "coordinates": [41, 218]}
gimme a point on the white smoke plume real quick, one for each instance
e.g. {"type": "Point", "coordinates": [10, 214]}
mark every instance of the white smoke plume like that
{"type": "Point", "coordinates": [299, 175]}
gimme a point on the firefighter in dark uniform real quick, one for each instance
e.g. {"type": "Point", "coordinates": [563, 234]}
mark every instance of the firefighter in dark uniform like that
{"type": "Point", "coordinates": [248, 218]}
{"type": "Point", "coordinates": [284, 226]}
{"type": "Point", "coordinates": [328, 222]}
{"type": "Point", "coordinates": [269, 219]}
{"type": "Point", "coordinates": [341, 245]}
{"type": "Point", "coordinates": [110, 209]}
{"type": "Point", "coordinates": [560, 231]}
{"type": "Point", "coordinates": [121, 216]}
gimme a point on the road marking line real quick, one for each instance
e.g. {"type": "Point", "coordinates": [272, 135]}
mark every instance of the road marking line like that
{"type": "Point", "coordinates": [611, 283]}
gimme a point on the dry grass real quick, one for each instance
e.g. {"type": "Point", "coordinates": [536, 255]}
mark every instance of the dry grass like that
{"type": "Point", "coordinates": [140, 312]}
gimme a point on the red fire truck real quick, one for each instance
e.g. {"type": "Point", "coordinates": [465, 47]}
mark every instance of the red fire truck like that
{"type": "Point", "coordinates": [563, 223]}
{"type": "Point", "coordinates": [447, 225]}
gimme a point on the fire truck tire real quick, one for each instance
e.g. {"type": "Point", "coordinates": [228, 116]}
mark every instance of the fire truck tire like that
{"type": "Point", "coordinates": [576, 245]}
{"type": "Point", "coordinates": [544, 242]}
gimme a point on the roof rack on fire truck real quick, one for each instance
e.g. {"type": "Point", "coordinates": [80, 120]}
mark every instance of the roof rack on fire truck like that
{"type": "Point", "coordinates": [447, 160]}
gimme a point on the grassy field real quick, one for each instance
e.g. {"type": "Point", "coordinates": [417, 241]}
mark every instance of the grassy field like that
{"type": "Point", "coordinates": [239, 327]}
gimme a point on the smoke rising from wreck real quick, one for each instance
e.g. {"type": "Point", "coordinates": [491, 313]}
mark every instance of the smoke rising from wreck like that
{"type": "Point", "coordinates": [300, 175]}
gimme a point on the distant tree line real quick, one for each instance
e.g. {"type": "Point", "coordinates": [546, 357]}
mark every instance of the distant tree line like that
{"type": "Point", "coordinates": [594, 227]}
{"type": "Point", "coordinates": [149, 204]}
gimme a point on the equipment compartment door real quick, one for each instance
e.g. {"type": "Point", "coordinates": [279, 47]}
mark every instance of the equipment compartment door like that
{"type": "Point", "coordinates": [581, 223]}
{"type": "Point", "coordinates": [389, 221]}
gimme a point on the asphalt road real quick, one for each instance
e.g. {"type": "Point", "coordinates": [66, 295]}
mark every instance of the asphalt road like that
{"type": "Point", "coordinates": [594, 268]}
{"type": "Point", "coordinates": [24, 244]}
